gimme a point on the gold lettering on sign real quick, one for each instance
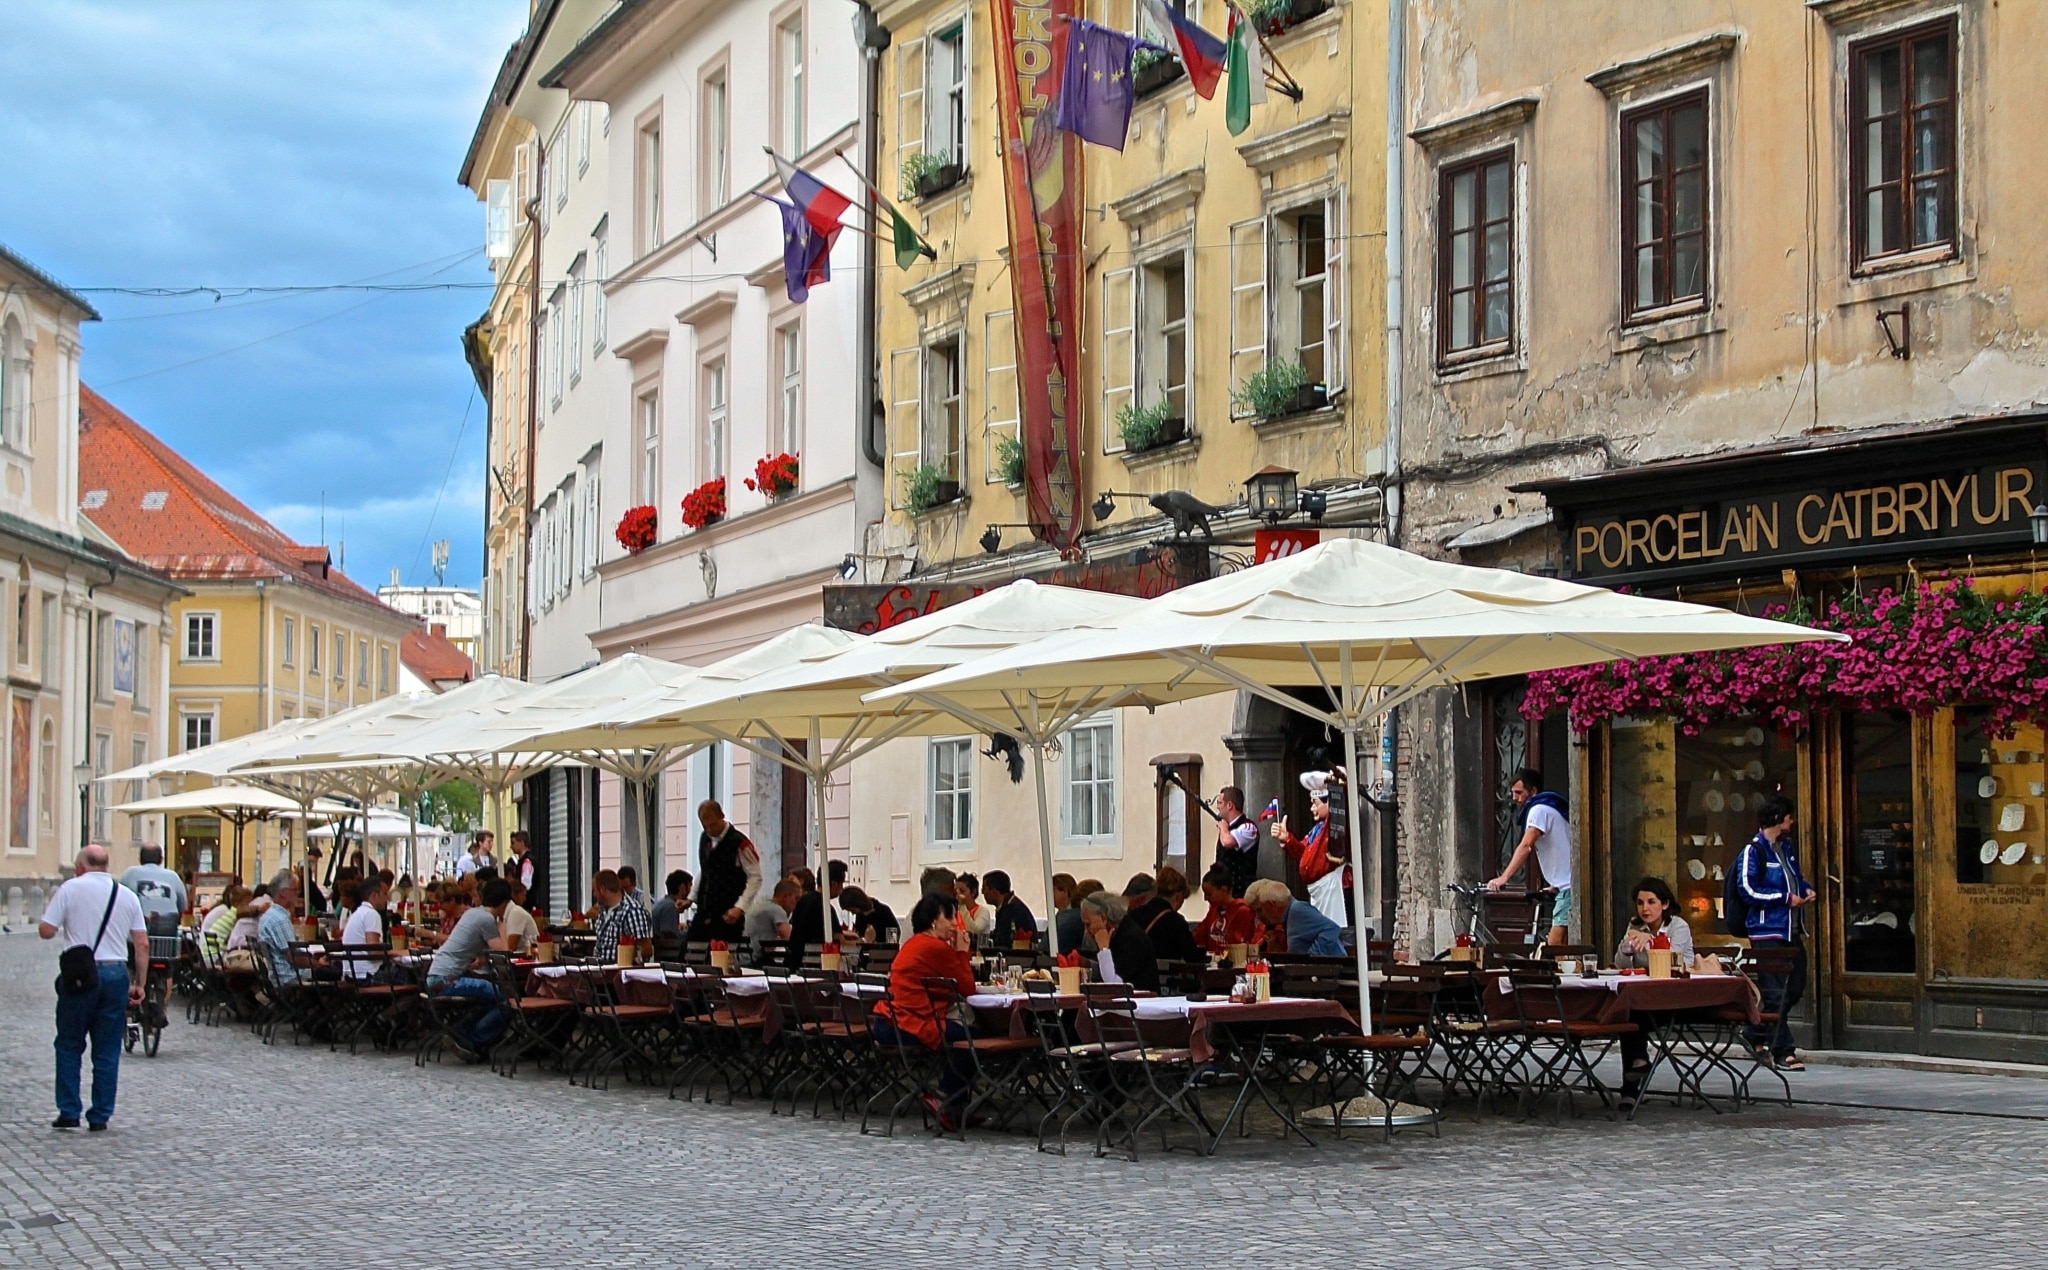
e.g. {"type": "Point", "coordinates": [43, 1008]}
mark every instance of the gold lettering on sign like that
{"type": "Point", "coordinates": [1692, 528]}
{"type": "Point", "coordinates": [1819, 504]}
{"type": "Point", "coordinates": [2015, 484]}
{"type": "Point", "coordinates": [1913, 502]}
{"type": "Point", "coordinates": [1761, 527]}
{"type": "Point", "coordinates": [1589, 542]}
{"type": "Point", "coordinates": [1976, 505]}
{"type": "Point", "coordinates": [1731, 531]}
{"type": "Point", "coordinates": [1953, 496]}
{"type": "Point", "coordinates": [1658, 552]}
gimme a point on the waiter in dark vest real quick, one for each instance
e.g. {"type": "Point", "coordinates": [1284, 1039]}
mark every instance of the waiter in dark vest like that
{"type": "Point", "coordinates": [728, 875]}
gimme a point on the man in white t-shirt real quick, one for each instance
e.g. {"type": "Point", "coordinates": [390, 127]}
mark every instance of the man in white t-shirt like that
{"type": "Point", "coordinates": [1548, 833]}
{"type": "Point", "coordinates": [92, 909]}
{"type": "Point", "coordinates": [365, 928]}
{"type": "Point", "coordinates": [161, 891]}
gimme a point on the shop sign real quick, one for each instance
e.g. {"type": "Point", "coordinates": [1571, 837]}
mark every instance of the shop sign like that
{"type": "Point", "coordinates": [1269, 545]}
{"type": "Point", "coordinates": [1980, 507]}
{"type": "Point", "coordinates": [865, 608]}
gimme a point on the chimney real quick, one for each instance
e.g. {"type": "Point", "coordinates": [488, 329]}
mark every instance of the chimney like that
{"type": "Point", "coordinates": [440, 630]}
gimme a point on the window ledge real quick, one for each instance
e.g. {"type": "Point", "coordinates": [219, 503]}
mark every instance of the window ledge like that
{"type": "Point", "coordinates": [1906, 278]}
{"type": "Point", "coordinates": [1509, 362]}
{"type": "Point", "coordinates": [1305, 421]}
{"type": "Point", "coordinates": [1162, 455]}
{"type": "Point", "coordinates": [1109, 849]}
{"type": "Point", "coordinates": [1690, 324]}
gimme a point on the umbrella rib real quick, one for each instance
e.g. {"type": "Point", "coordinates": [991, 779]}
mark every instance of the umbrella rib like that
{"type": "Point", "coordinates": [1253, 686]}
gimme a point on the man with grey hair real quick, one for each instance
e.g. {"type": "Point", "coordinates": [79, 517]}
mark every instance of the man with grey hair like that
{"type": "Point", "coordinates": [1308, 930]}
{"type": "Point", "coordinates": [1126, 955]}
{"type": "Point", "coordinates": [274, 928]}
{"type": "Point", "coordinates": [94, 911]}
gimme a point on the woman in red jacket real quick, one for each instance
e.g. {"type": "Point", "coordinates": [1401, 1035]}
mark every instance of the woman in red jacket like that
{"type": "Point", "coordinates": [909, 1016]}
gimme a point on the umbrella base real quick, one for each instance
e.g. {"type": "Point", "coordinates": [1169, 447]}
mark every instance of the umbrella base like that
{"type": "Point", "coordinates": [1370, 1113]}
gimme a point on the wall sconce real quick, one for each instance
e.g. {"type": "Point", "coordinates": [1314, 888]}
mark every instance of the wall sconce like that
{"type": "Point", "coordinates": [1273, 493]}
{"type": "Point", "coordinates": [1900, 340]}
{"type": "Point", "coordinates": [2038, 520]}
{"type": "Point", "coordinates": [992, 536]}
{"type": "Point", "coordinates": [1104, 505]}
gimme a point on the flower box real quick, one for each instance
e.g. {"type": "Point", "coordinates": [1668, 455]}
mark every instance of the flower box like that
{"type": "Point", "coordinates": [774, 475]}
{"type": "Point", "coordinates": [705, 505]}
{"type": "Point", "coordinates": [1155, 75]}
{"type": "Point", "coordinates": [637, 529]}
{"type": "Point", "coordinates": [1306, 398]}
{"type": "Point", "coordinates": [939, 179]}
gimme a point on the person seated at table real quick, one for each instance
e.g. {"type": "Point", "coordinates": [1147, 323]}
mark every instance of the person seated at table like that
{"type": "Point", "coordinates": [980, 917]}
{"type": "Point", "coordinates": [517, 926]}
{"type": "Point", "coordinates": [629, 878]}
{"type": "Point", "coordinates": [807, 919]}
{"type": "Point", "coordinates": [242, 935]}
{"type": "Point", "coordinates": [1082, 890]}
{"type": "Point", "coordinates": [365, 928]}
{"type": "Point", "coordinates": [274, 933]}
{"type": "Point", "coordinates": [872, 920]}
{"type": "Point", "coordinates": [938, 880]}
{"type": "Point", "coordinates": [668, 917]}
{"type": "Point", "coordinates": [936, 950]}
{"type": "Point", "coordinates": [451, 974]}
{"type": "Point", "coordinates": [1066, 912]}
{"type": "Point", "coordinates": [768, 920]}
{"type": "Point", "coordinates": [1230, 919]}
{"type": "Point", "coordinates": [1159, 914]}
{"type": "Point", "coordinates": [1125, 952]}
{"type": "Point", "coordinates": [1656, 914]}
{"type": "Point", "coordinates": [220, 920]}
{"type": "Point", "coordinates": [1306, 930]}
{"type": "Point", "coordinates": [1013, 917]}
{"type": "Point", "coordinates": [622, 921]}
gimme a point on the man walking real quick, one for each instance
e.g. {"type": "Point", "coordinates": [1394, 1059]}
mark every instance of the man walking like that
{"type": "Point", "coordinates": [93, 911]}
{"type": "Point", "coordinates": [1774, 893]}
{"type": "Point", "coordinates": [1548, 834]}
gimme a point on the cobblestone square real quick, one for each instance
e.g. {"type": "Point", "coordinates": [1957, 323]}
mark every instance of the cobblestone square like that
{"type": "Point", "coordinates": [225, 1153]}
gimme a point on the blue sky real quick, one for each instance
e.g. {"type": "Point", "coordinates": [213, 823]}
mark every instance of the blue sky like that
{"type": "Point", "coordinates": [169, 143]}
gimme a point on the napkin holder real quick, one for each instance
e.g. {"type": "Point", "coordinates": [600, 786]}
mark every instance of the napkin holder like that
{"type": "Point", "coordinates": [1069, 980]}
{"type": "Point", "coordinates": [400, 941]}
{"type": "Point", "coordinates": [628, 953]}
{"type": "Point", "coordinates": [544, 952]}
{"type": "Point", "coordinates": [721, 960]}
{"type": "Point", "coordinates": [1464, 952]}
{"type": "Point", "coordinates": [1236, 955]}
{"type": "Point", "coordinates": [1261, 984]}
{"type": "Point", "coordinates": [829, 961]}
{"type": "Point", "coordinates": [1662, 962]}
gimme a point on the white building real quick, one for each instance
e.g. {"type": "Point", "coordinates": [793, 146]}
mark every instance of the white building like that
{"type": "Point", "coordinates": [457, 610]}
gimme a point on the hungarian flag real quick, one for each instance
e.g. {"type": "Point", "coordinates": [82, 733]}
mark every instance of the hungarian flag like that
{"type": "Point", "coordinates": [1201, 53]}
{"type": "Point", "coordinates": [1247, 74]}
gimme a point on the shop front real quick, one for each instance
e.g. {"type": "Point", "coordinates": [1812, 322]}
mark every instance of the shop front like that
{"type": "Point", "coordinates": [1914, 754]}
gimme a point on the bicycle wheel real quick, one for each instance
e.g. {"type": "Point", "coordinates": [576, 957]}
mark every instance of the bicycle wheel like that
{"type": "Point", "coordinates": [151, 1038]}
{"type": "Point", "coordinates": [134, 1034]}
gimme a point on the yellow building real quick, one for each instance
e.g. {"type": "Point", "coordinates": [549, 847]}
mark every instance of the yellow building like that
{"type": "Point", "coordinates": [1232, 322]}
{"type": "Point", "coordinates": [268, 629]}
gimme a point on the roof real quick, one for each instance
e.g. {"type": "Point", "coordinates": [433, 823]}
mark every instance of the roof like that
{"type": "Point", "coordinates": [173, 518]}
{"type": "Point", "coordinates": [619, 25]}
{"type": "Point", "coordinates": [47, 283]}
{"type": "Point", "coordinates": [427, 653]}
{"type": "Point", "coordinates": [501, 92]}
{"type": "Point", "coordinates": [92, 548]}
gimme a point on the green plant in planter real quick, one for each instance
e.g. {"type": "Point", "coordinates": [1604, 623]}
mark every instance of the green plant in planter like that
{"type": "Point", "coordinates": [1272, 390]}
{"type": "Point", "coordinates": [1142, 426]}
{"type": "Point", "coordinates": [921, 487]}
{"type": "Point", "coordinates": [1267, 12]}
{"type": "Point", "coordinates": [1010, 460]}
{"type": "Point", "coordinates": [916, 169]}
{"type": "Point", "coordinates": [1145, 59]}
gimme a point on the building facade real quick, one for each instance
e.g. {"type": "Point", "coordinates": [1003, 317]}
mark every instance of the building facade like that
{"type": "Point", "coordinates": [1740, 302]}
{"type": "Point", "coordinates": [86, 626]}
{"type": "Point", "coordinates": [265, 629]}
{"type": "Point", "coordinates": [1231, 321]}
{"type": "Point", "coordinates": [458, 611]}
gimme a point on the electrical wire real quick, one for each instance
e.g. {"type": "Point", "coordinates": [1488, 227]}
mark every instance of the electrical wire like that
{"type": "Point", "coordinates": [446, 476]}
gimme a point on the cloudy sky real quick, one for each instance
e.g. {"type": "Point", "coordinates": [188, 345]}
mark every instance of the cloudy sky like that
{"type": "Point", "coordinates": [180, 143]}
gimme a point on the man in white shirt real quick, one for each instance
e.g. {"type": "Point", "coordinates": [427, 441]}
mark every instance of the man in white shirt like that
{"type": "Point", "coordinates": [1548, 833]}
{"type": "Point", "coordinates": [93, 910]}
{"type": "Point", "coordinates": [365, 927]}
{"type": "Point", "coordinates": [474, 858]}
{"type": "Point", "coordinates": [161, 891]}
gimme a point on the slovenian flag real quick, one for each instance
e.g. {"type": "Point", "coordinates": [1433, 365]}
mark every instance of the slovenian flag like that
{"type": "Point", "coordinates": [1272, 810]}
{"type": "Point", "coordinates": [1200, 52]}
{"type": "Point", "coordinates": [821, 205]}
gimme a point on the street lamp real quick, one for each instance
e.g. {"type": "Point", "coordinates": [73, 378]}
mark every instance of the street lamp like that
{"type": "Point", "coordinates": [2038, 519]}
{"type": "Point", "coordinates": [1273, 493]}
{"type": "Point", "coordinates": [82, 773]}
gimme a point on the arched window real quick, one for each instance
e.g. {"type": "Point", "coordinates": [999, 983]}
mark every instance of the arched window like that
{"type": "Point", "coordinates": [14, 385]}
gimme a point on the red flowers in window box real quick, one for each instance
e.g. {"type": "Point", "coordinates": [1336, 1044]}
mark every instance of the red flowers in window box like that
{"type": "Point", "coordinates": [774, 475]}
{"type": "Point", "coordinates": [705, 505]}
{"type": "Point", "coordinates": [636, 529]}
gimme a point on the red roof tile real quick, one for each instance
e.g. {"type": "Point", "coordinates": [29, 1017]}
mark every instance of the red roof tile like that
{"type": "Point", "coordinates": [172, 517]}
{"type": "Point", "coordinates": [428, 653]}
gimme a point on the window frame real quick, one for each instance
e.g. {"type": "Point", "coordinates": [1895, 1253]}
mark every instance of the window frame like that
{"type": "Point", "coordinates": [339, 668]}
{"type": "Point", "coordinates": [1287, 281]}
{"type": "Point", "coordinates": [952, 98]}
{"type": "Point", "coordinates": [714, 436]}
{"type": "Point", "coordinates": [287, 641]}
{"type": "Point", "coordinates": [1104, 731]}
{"type": "Point", "coordinates": [600, 255]}
{"type": "Point", "coordinates": [1155, 362]}
{"type": "Point", "coordinates": [647, 453]}
{"type": "Point", "coordinates": [714, 135]}
{"type": "Point", "coordinates": [1000, 405]}
{"type": "Point", "coordinates": [961, 795]}
{"type": "Point", "coordinates": [648, 234]}
{"type": "Point", "coordinates": [1476, 164]}
{"type": "Point", "coordinates": [312, 649]}
{"type": "Point", "coordinates": [209, 716]}
{"type": "Point", "coordinates": [933, 405]}
{"type": "Point", "coordinates": [189, 626]}
{"type": "Point", "coordinates": [1634, 311]}
{"type": "Point", "coordinates": [1904, 40]}
{"type": "Point", "coordinates": [574, 301]}
{"type": "Point", "coordinates": [362, 663]}
{"type": "Point", "coordinates": [789, 379]}
{"type": "Point", "coordinates": [792, 84]}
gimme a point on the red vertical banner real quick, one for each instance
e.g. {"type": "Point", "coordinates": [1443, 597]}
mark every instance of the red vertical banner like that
{"type": "Point", "coordinates": [1042, 182]}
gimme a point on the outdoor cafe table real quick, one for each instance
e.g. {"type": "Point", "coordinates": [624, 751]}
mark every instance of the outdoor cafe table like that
{"type": "Point", "coordinates": [1705, 1009]}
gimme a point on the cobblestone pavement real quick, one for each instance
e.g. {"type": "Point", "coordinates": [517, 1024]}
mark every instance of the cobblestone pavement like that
{"type": "Point", "coordinates": [227, 1154]}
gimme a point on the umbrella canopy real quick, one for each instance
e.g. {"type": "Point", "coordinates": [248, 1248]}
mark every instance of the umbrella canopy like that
{"type": "Point", "coordinates": [1369, 625]}
{"type": "Point", "coordinates": [220, 799]}
{"type": "Point", "coordinates": [384, 823]}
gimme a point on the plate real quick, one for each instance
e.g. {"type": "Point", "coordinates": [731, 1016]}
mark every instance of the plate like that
{"type": "Point", "coordinates": [2012, 817]}
{"type": "Point", "coordinates": [1886, 919]}
{"type": "Point", "coordinates": [2013, 854]}
{"type": "Point", "coordinates": [1988, 852]}
{"type": "Point", "coordinates": [1987, 787]}
{"type": "Point", "coordinates": [1737, 802]}
{"type": "Point", "coordinates": [1714, 800]}
{"type": "Point", "coordinates": [1756, 736]}
{"type": "Point", "coordinates": [1755, 770]}
{"type": "Point", "coordinates": [1698, 869]}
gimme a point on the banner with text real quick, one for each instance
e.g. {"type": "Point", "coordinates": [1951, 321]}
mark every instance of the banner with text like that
{"type": "Point", "coordinates": [1042, 181]}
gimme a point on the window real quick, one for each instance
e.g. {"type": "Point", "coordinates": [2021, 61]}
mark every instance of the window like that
{"type": "Point", "coordinates": [287, 641]}
{"type": "Point", "coordinates": [145, 639]}
{"type": "Point", "coordinates": [558, 166]}
{"type": "Point", "coordinates": [522, 179]}
{"type": "Point", "coordinates": [583, 111]}
{"type": "Point", "coordinates": [340, 656]}
{"type": "Point", "coordinates": [711, 444]}
{"type": "Point", "coordinates": [312, 648]}
{"type": "Point", "coordinates": [649, 409]}
{"type": "Point", "coordinates": [1902, 152]}
{"type": "Point", "coordinates": [575, 302]}
{"type": "Point", "coordinates": [198, 730]}
{"type": "Point", "coordinates": [102, 763]}
{"type": "Point", "coordinates": [1119, 348]}
{"type": "Point", "coordinates": [939, 445]}
{"type": "Point", "coordinates": [789, 100]}
{"type": "Point", "coordinates": [789, 349]}
{"type": "Point", "coordinates": [51, 635]}
{"type": "Point", "coordinates": [1475, 257]}
{"type": "Point", "coordinates": [648, 176]}
{"type": "Point", "coordinates": [1089, 755]}
{"type": "Point", "coordinates": [600, 254]}
{"type": "Point", "coordinates": [362, 663]}
{"type": "Point", "coordinates": [16, 386]}
{"type": "Point", "coordinates": [946, 131]}
{"type": "Point", "coordinates": [1164, 356]}
{"type": "Point", "coordinates": [1664, 219]}
{"type": "Point", "coordinates": [716, 135]}
{"type": "Point", "coordinates": [383, 668]}
{"type": "Point", "coordinates": [552, 324]}
{"type": "Point", "coordinates": [138, 754]}
{"type": "Point", "coordinates": [200, 632]}
{"type": "Point", "coordinates": [999, 392]}
{"type": "Point", "coordinates": [950, 818]}
{"type": "Point", "coordinates": [498, 220]}
{"type": "Point", "coordinates": [1306, 325]}
{"type": "Point", "coordinates": [591, 549]}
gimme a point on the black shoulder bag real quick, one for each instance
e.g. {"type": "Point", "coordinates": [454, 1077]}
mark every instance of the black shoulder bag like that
{"type": "Point", "coordinates": [78, 970]}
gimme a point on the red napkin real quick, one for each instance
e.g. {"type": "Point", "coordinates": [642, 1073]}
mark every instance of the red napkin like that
{"type": "Point", "coordinates": [719, 945]}
{"type": "Point", "coordinates": [1071, 960]}
{"type": "Point", "coordinates": [831, 950]}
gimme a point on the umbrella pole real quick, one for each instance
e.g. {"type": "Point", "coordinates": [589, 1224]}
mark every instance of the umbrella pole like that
{"type": "Point", "coordinates": [1352, 780]}
{"type": "Point", "coordinates": [828, 930]}
{"type": "Point", "coordinates": [1052, 925]}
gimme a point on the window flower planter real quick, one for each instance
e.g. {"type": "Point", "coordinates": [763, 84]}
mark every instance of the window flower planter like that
{"type": "Point", "coordinates": [1156, 74]}
{"type": "Point", "coordinates": [637, 529]}
{"type": "Point", "coordinates": [705, 505]}
{"type": "Point", "coordinates": [774, 475]}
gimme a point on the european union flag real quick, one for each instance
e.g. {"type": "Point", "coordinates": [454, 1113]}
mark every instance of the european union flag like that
{"type": "Point", "coordinates": [1096, 93]}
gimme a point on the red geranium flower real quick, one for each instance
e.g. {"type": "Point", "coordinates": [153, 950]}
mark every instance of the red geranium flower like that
{"type": "Point", "coordinates": [636, 529]}
{"type": "Point", "coordinates": [774, 475]}
{"type": "Point", "coordinates": [705, 505]}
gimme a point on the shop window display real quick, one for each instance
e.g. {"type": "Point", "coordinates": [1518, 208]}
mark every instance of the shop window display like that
{"type": "Point", "coordinates": [1880, 923]}
{"type": "Point", "coordinates": [1996, 906]}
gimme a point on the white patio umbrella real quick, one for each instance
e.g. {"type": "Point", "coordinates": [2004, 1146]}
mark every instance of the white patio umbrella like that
{"type": "Point", "coordinates": [239, 805]}
{"type": "Point", "coordinates": [1369, 625]}
{"type": "Point", "coordinates": [820, 692]}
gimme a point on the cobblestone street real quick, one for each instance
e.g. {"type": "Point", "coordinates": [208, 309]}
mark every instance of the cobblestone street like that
{"type": "Point", "coordinates": [225, 1153]}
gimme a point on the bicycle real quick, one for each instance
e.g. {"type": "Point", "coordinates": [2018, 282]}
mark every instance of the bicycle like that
{"type": "Point", "coordinates": [1531, 913]}
{"type": "Point", "coordinates": [147, 1020]}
